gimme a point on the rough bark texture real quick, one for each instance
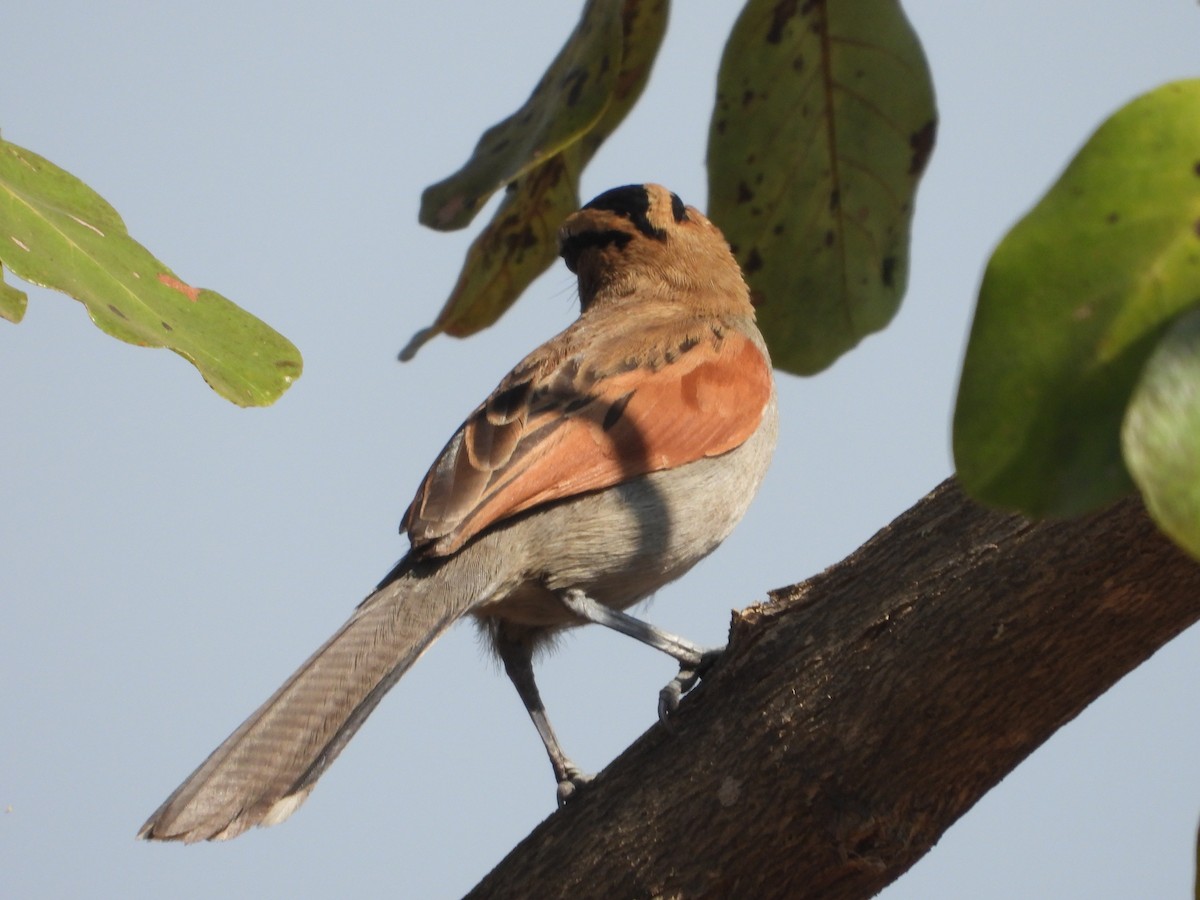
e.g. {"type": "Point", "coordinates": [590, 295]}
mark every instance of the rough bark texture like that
{"type": "Point", "coordinates": [857, 715]}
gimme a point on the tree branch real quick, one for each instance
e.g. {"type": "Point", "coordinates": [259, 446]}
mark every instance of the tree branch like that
{"type": "Point", "coordinates": [856, 716]}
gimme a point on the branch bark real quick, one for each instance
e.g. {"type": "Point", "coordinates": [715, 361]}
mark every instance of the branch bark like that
{"type": "Point", "coordinates": [857, 715]}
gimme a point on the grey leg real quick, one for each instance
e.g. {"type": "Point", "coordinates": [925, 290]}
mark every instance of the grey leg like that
{"type": "Point", "coordinates": [518, 663]}
{"type": "Point", "coordinates": [694, 660]}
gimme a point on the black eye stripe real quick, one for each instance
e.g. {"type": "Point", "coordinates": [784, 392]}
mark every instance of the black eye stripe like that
{"type": "Point", "coordinates": [575, 244]}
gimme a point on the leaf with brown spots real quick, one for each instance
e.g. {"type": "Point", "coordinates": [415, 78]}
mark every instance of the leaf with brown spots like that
{"type": "Point", "coordinates": [567, 102]}
{"type": "Point", "coordinates": [517, 246]}
{"type": "Point", "coordinates": [57, 232]}
{"type": "Point", "coordinates": [520, 243]}
{"type": "Point", "coordinates": [823, 124]}
{"type": "Point", "coordinates": [192, 293]}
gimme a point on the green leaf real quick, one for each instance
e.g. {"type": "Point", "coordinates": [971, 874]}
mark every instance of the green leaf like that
{"type": "Point", "coordinates": [57, 232]}
{"type": "Point", "coordinates": [1072, 304]}
{"type": "Point", "coordinates": [520, 242]}
{"type": "Point", "coordinates": [12, 301]}
{"type": "Point", "coordinates": [823, 124]}
{"type": "Point", "coordinates": [1161, 433]}
{"type": "Point", "coordinates": [567, 102]}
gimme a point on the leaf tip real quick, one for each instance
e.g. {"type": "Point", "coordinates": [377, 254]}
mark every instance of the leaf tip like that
{"type": "Point", "coordinates": [418, 340]}
{"type": "Point", "coordinates": [446, 213]}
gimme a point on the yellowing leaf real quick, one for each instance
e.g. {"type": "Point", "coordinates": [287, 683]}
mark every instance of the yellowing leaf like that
{"type": "Point", "coordinates": [823, 125]}
{"type": "Point", "coordinates": [566, 103]}
{"type": "Point", "coordinates": [520, 242]}
{"type": "Point", "coordinates": [57, 232]}
{"type": "Point", "coordinates": [518, 245]}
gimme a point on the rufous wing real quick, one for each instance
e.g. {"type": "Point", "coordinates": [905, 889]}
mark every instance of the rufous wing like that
{"type": "Point", "coordinates": [538, 441]}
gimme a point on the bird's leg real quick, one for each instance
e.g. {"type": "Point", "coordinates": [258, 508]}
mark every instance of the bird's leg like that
{"type": "Point", "coordinates": [694, 659]}
{"type": "Point", "coordinates": [517, 656]}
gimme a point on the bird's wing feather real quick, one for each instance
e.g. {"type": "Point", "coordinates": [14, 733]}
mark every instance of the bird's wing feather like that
{"type": "Point", "coordinates": [564, 431]}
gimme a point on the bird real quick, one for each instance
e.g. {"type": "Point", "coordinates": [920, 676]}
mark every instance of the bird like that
{"type": "Point", "coordinates": [606, 464]}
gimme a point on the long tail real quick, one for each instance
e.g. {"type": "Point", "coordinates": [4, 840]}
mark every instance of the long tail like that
{"type": "Point", "coordinates": [266, 769]}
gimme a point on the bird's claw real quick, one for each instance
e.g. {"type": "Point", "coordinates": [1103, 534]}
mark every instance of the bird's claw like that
{"type": "Point", "coordinates": [689, 674]}
{"type": "Point", "coordinates": [570, 783]}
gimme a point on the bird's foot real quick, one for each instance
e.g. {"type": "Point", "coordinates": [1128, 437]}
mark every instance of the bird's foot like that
{"type": "Point", "coordinates": [689, 674]}
{"type": "Point", "coordinates": [570, 782]}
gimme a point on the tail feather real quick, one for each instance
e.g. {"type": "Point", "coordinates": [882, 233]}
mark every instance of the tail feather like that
{"type": "Point", "coordinates": [268, 766]}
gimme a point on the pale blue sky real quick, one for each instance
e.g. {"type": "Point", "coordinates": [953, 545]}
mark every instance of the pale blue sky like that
{"type": "Point", "coordinates": [167, 559]}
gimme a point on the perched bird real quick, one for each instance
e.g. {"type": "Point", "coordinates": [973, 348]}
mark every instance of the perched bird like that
{"type": "Point", "coordinates": [606, 464]}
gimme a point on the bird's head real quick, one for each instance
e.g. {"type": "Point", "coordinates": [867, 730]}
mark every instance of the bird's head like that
{"type": "Point", "coordinates": [642, 238]}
